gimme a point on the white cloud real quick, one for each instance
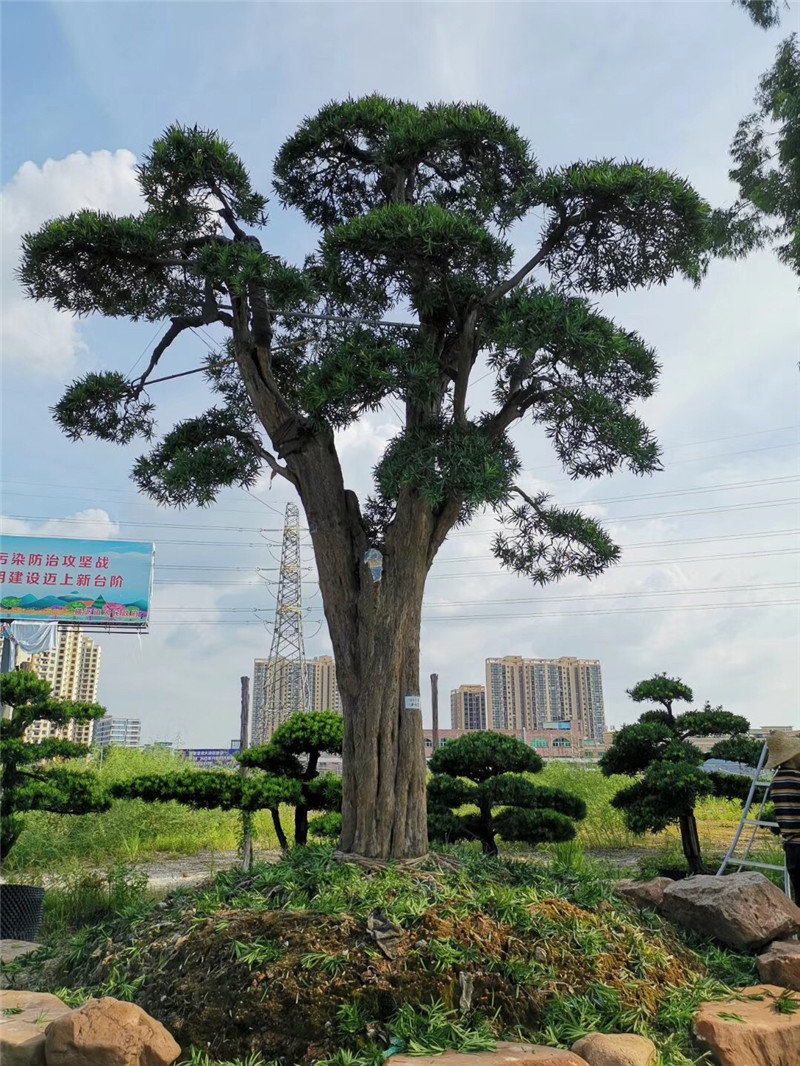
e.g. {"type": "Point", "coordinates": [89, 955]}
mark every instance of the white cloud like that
{"type": "Point", "coordinates": [91, 524]}
{"type": "Point", "coordinates": [35, 334]}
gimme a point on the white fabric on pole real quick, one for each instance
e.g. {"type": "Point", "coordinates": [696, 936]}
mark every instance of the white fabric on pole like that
{"type": "Point", "coordinates": [34, 637]}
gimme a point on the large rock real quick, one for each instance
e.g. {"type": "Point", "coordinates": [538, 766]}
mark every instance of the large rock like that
{"type": "Point", "coordinates": [616, 1049]}
{"type": "Point", "coordinates": [16, 949]}
{"type": "Point", "coordinates": [108, 1032]}
{"type": "Point", "coordinates": [780, 964]}
{"type": "Point", "coordinates": [505, 1054]}
{"type": "Point", "coordinates": [750, 1032]}
{"type": "Point", "coordinates": [744, 911]}
{"type": "Point", "coordinates": [24, 1016]}
{"type": "Point", "coordinates": [643, 893]}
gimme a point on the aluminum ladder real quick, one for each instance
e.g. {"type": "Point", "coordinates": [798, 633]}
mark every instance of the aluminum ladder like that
{"type": "Point", "coordinates": [754, 824]}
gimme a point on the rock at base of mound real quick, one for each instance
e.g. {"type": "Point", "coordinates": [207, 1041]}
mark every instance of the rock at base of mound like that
{"type": "Point", "coordinates": [16, 949]}
{"type": "Point", "coordinates": [616, 1049]}
{"type": "Point", "coordinates": [780, 964]}
{"type": "Point", "coordinates": [109, 1032]}
{"type": "Point", "coordinates": [751, 1031]}
{"type": "Point", "coordinates": [643, 893]}
{"type": "Point", "coordinates": [743, 911]}
{"type": "Point", "coordinates": [505, 1054]}
{"type": "Point", "coordinates": [24, 1018]}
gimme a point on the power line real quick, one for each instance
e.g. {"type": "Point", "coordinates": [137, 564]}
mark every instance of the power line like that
{"type": "Point", "coordinates": [723, 486]}
{"type": "Point", "coordinates": [499, 572]}
{"type": "Point", "coordinates": [689, 444]}
{"type": "Point", "coordinates": [469, 533]}
{"type": "Point", "coordinates": [760, 533]}
{"type": "Point", "coordinates": [512, 600]}
{"type": "Point", "coordinates": [612, 519]}
{"type": "Point", "coordinates": [772, 604]}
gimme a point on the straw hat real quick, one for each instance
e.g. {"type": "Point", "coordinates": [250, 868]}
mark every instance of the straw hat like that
{"type": "Point", "coordinates": [781, 748]}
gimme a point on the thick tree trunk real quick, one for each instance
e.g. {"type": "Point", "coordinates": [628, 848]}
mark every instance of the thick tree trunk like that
{"type": "Point", "coordinates": [384, 813]}
{"type": "Point", "coordinates": [374, 626]}
{"type": "Point", "coordinates": [691, 844]}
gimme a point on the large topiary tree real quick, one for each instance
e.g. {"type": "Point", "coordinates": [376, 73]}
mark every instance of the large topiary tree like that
{"type": "Point", "coordinates": [414, 206]}
{"type": "Point", "coordinates": [486, 770]}
{"type": "Point", "coordinates": [668, 767]}
{"type": "Point", "coordinates": [29, 778]}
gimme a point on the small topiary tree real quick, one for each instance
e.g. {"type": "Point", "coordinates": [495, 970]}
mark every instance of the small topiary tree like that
{"type": "Point", "coordinates": [289, 775]}
{"type": "Point", "coordinates": [293, 752]}
{"type": "Point", "coordinates": [670, 780]}
{"type": "Point", "coordinates": [209, 789]}
{"type": "Point", "coordinates": [29, 780]}
{"type": "Point", "coordinates": [485, 770]}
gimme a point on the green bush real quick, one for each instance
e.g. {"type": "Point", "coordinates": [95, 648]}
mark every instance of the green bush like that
{"type": "Point", "coordinates": [488, 771]}
{"type": "Point", "coordinates": [30, 780]}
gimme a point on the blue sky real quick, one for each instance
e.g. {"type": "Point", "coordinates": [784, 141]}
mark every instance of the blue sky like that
{"type": "Point", "coordinates": [87, 87]}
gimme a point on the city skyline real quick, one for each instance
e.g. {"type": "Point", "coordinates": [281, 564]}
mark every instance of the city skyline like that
{"type": "Point", "coordinates": [73, 670]}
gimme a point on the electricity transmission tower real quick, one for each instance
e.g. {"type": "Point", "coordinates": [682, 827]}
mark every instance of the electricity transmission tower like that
{"type": "Point", "coordinates": [286, 684]}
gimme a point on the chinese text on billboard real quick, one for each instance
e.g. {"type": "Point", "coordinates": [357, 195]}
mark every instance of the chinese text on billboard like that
{"type": "Point", "coordinates": [84, 581]}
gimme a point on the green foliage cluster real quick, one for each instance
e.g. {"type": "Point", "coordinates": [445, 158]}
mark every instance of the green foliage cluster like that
{"type": "Point", "coordinates": [668, 767]}
{"type": "Point", "coordinates": [29, 773]}
{"type": "Point", "coordinates": [413, 205]}
{"type": "Point", "coordinates": [559, 967]}
{"type": "Point", "coordinates": [766, 152]}
{"type": "Point", "coordinates": [487, 770]}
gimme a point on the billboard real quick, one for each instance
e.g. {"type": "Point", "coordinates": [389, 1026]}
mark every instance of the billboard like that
{"type": "Point", "coordinates": [211, 756]}
{"type": "Point", "coordinates": [60, 579]}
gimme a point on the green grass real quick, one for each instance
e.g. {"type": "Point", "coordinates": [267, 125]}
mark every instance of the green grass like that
{"type": "Point", "coordinates": [241, 942]}
{"type": "Point", "coordinates": [134, 831]}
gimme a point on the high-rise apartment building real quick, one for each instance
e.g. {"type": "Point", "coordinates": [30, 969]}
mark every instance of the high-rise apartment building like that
{"type": "Point", "coordinates": [73, 670]}
{"type": "Point", "coordinates": [537, 694]}
{"type": "Point", "coordinates": [322, 690]}
{"type": "Point", "coordinates": [468, 707]}
{"type": "Point", "coordinates": [117, 732]}
{"type": "Point", "coordinates": [323, 695]}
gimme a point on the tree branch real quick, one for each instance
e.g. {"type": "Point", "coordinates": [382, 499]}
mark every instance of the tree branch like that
{"type": "Point", "coordinates": [227, 213]}
{"type": "Point", "coordinates": [520, 492]}
{"type": "Point", "coordinates": [535, 260]}
{"type": "Point", "coordinates": [268, 457]}
{"type": "Point", "coordinates": [520, 401]}
{"type": "Point", "coordinates": [211, 313]}
{"type": "Point", "coordinates": [464, 365]}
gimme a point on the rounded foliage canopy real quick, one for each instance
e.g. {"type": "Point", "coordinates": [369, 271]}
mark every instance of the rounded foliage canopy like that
{"type": "Point", "coordinates": [487, 770]}
{"type": "Point", "coordinates": [481, 755]}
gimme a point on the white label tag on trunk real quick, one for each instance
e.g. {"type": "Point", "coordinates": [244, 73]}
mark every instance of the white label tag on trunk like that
{"type": "Point", "coordinates": [411, 703]}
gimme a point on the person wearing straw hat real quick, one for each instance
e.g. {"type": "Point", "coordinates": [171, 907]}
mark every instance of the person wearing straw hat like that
{"type": "Point", "coordinates": [784, 757]}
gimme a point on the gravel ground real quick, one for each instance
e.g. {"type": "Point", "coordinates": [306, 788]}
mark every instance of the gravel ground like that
{"type": "Point", "coordinates": [165, 873]}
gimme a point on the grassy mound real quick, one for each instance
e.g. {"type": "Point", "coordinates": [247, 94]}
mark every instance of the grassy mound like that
{"type": "Point", "coordinates": [308, 959]}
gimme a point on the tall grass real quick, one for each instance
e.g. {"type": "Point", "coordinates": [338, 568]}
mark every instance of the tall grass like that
{"type": "Point", "coordinates": [132, 830]}
{"type": "Point", "coordinates": [603, 826]}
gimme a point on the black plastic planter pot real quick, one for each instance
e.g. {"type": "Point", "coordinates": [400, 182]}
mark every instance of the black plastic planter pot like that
{"type": "Point", "coordinates": [20, 911]}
